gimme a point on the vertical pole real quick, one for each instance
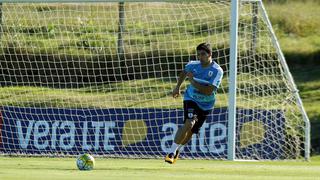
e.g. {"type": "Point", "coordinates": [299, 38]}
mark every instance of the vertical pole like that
{"type": "Point", "coordinates": [233, 80]}
{"type": "Point", "coordinates": [121, 65]}
{"type": "Point", "coordinates": [0, 20]}
{"type": "Point", "coordinates": [254, 27]}
{"type": "Point", "coordinates": [121, 29]}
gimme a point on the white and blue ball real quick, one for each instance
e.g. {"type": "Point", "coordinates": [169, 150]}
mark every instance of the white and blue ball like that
{"type": "Point", "coordinates": [85, 162]}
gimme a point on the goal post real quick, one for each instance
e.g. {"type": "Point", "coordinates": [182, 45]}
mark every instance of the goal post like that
{"type": "Point", "coordinates": [233, 80]}
{"type": "Point", "coordinates": [96, 76]}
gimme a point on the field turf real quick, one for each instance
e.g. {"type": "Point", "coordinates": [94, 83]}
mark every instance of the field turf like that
{"type": "Point", "coordinates": [152, 169]}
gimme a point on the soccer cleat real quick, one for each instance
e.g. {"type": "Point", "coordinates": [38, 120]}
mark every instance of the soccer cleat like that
{"type": "Point", "coordinates": [176, 157]}
{"type": "Point", "coordinates": [169, 158]}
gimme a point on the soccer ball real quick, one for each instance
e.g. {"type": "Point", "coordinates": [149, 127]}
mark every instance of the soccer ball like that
{"type": "Point", "coordinates": [85, 162]}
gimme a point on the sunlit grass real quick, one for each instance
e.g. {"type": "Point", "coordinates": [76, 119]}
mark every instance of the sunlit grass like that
{"type": "Point", "coordinates": [297, 30]}
{"type": "Point", "coordinates": [107, 168]}
{"type": "Point", "coordinates": [146, 93]}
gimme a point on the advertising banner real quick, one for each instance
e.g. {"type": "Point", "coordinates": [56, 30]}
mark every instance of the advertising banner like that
{"type": "Point", "coordinates": [123, 131]}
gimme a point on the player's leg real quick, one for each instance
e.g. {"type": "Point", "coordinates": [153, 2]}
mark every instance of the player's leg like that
{"type": "Point", "coordinates": [199, 116]}
{"type": "Point", "coordinates": [187, 137]}
{"type": "Point", "coordinates": [183, 136]}
{"type": "Point", "coordinates": [184, 133]}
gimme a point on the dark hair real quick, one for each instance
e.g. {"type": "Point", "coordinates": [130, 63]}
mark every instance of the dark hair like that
{"type": "Point", "coordinates": [205, 47]}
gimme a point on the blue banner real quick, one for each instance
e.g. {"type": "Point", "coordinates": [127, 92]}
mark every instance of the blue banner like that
{"type": "Point", "coordinates": [149, 132]}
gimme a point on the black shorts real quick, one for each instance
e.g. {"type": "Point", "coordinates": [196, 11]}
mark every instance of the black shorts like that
{"type": "Point", "coordinates": [192, 110]}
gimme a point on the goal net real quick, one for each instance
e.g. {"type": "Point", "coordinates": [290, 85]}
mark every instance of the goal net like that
{"type": "Point", "coordinates": [97, 78]}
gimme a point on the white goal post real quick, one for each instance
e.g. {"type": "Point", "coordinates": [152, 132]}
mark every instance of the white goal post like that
{"type": "Point", "coordinates": [96, 76]}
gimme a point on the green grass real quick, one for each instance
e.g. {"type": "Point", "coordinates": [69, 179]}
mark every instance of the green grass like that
{"type": "Point", "coordinates": [87, 30]}
{"type": "Point", "coordinates": [139, 93]}
{"type": "Point", "coordinates": [13, 168]}
{"type": "Point", "coordinates": [301, 17]}
{"type": "Point", "coordinates": [308, 82]}
{"type": "Point", "coordinates": [297, 30]}
{"type": "Point", "coordinates": [145, 93]}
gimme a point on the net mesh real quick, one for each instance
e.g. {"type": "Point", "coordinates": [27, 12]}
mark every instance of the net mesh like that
{"type": "Point", "coordinates": [97, 78]}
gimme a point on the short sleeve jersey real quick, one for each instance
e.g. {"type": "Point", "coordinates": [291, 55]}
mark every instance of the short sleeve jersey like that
{"type": "Point", "coordinates": [204, 76]}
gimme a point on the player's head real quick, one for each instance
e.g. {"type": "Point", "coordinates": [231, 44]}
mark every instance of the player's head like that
{"type": "Point", "coordinates": [204, 52]}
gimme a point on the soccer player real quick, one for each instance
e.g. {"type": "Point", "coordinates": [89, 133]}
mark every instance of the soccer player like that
{"type": "Point", "coordinates": [205, 77]}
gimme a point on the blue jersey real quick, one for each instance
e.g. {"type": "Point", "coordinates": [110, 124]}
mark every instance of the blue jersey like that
{"type": "Point", "coordinates": [204, 76]}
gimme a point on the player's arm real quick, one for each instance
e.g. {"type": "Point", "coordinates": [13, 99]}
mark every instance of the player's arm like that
{"type": "Point", "coordinates": [176, 90]}
{"type": "Point", "coordinates": [207, 90]}
{"type": "Point", "coordinates": [204, 89]}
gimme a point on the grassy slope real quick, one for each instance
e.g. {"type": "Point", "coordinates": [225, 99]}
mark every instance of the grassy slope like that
{"type": "Point", "coordinates": [146, 93]}
{"type": "Point", "coordinates": [296, 26]}
{"type": "Point", "coordinates": [65, 168]}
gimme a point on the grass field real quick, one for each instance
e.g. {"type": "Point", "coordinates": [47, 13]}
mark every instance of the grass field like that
{"type": "Point", "coordinates": [64, 168]}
